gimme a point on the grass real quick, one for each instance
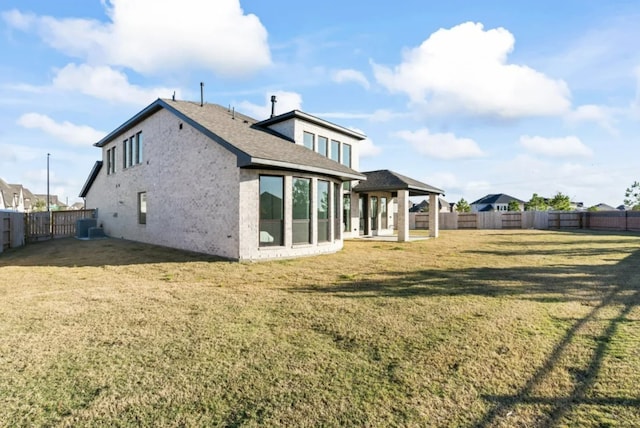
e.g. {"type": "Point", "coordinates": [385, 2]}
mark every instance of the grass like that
{"type": "Point", "coordinates": [476, 328]}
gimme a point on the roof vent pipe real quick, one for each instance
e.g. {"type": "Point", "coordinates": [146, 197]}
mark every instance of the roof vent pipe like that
{"type": "Point", "coordinates": [201, 94]}
{"type": "Point", "coordinates": [273, 105]}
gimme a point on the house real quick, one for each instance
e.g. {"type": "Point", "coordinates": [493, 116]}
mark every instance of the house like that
{"type": "Point", "coordinates": [495, 202]}
{"type": "Point", "coordinates": [423, 206]}
{"type": "Point", "coordinates": [604, 207]}
{"type": "Point", "coordinates": [55, 203]}
{"type": "Point", "coordinates": [11, 196]}
{"type": "Point", "coordinates": [205, 178]}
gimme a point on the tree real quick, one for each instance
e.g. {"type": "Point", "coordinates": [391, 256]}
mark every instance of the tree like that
{"type": "Point", "coordinates": [560, 202]}
{"type": "Point", "coordinates": [39, 205]}
{"type": "Point", "coordinates": [632, 196]}
{"type": "Point", "coordinates": [536, 203]}
{"type": "Point", "coordinates": [513, 206]}
{"type": "Point", "coordinates": [463, 206]}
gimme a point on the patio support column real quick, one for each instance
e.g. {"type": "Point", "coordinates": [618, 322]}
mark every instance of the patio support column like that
{"type": "Point", "coordinates": [434, 217]}
{"type": "Point", "coordinates": [403, 215]}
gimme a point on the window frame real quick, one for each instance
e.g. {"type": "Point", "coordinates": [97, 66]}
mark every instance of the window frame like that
{"type": "Point", "coordinates": [334, 151]}
{"type": "Point", "coordinates": [346, 160]}
{"type": "Point", "coordinates": [305, 134]}
{"type": "Point", "coordinates": [296, 221]}
{"type": "Point", "coordinates": [320, 219]}
{"type": "Point", "coordinates": [278, 241]}
{"type": "Point", "coordinates": [322, 146]}
{"type": "Point", "coordinates": [142, 208]}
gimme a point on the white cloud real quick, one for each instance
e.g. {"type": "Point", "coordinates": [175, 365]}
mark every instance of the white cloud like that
{"type": "Point", "coordinates": [105, 83]}
{"type": "Point", "coordinates": [593, 113]}
{"type": "Point", "coordinates": [349, 75]}
{"type": "Point", "coordinates": [79, 135]}
{"type": "Point", "coordinates": [465, 69]}
{"type": "Point", "coordinates": [285, 102]}
{"type": "Point", "coordinates": [441, 146]}
{"type": "Point", "coordinates": [570, 146]}
{"type": "Point", "coordinates": [366, 147]}
{"type": "Point", "coordinates": [152, 36]}
{"type": "Point", "coordinates": [18, 20]}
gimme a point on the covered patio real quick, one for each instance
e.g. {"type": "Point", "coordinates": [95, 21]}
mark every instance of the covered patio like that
{"type": "Point", "coordinates": [375, 198]}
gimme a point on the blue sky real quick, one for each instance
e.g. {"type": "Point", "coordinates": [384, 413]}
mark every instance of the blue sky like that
{"type": "Point", "coordinates": [472, 97]}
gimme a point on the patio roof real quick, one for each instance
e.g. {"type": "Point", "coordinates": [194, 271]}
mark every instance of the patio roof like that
{"type": "Point", "coordinates": [389, 181]}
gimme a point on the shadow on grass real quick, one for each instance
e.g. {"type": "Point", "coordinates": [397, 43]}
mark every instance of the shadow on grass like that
{"type": "Point", "coordinates": [621, 281]}
{"type": "Point", "coordinates": [603, 287]}
{"type": "Point", "coordinates": [71, 252]}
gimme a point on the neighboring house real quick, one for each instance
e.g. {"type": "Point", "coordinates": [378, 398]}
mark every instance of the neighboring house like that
{"type": "Point", "coordinates": [575, 206]}
{"type": "Point", "coordinates": [77, 206]}
{"type": "Point", "coordinates": [206, 178]}
{"type": "Point", "coordinates": [443, 206]}
{"type": "Point", "coordinates": [495, 202]}
{"type": "Point", "coordinates": [16, 197]}
{"type": "Point", "coordinates": [11, 196]}
{"type": "Point", "coordinates": [55, 204]}
{"type": "Point", "coordinates": [604, 207]}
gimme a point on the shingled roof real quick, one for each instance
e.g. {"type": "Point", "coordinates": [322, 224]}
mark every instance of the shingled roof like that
{"type": "Point", "coordinates": [253, 144]}
{"type": "Point", "coordinates": [8, 191]}
{"type": "Point", "coordinates": [389, 181]}
{"type": "Point", "coordinates": [497, 198]}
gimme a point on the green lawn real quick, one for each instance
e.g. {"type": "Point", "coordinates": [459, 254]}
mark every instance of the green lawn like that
{"type": "Point", "coordinates": [476, 328]}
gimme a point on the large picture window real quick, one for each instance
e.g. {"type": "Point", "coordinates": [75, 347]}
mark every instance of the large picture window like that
{"type": "Point", "coordinates": [271, 210]}
{"type": "Point", "coordinates": [301, 210]}
{"type": "Point", "coordinates": [322, 200]}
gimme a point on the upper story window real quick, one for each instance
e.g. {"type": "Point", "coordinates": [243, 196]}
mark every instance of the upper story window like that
{"type": "Point", "coordinates": [346, 155]}
{"type": "Point", "coordinates": [334, 151]}
{"type": "Point", "coordinates": [132, 151]}
{"type": "Point", "coordinates": [111, 160]}
{"type": "Point", "coordinates": [138, 147]}
{"type": "Point", "coordinates": [323, 145]}
{"type": "Point", "coordinates": [308, 140]}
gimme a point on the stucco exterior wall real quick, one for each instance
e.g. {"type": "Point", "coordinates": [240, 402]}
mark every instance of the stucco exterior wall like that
{"type": "Point", "coordinates": [192, 187]}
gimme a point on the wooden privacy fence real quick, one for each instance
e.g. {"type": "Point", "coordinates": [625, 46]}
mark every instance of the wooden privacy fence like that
{"type": "Point", "coordinates": [54, 224]}
{"type": "Point", "coordinates": [598, 220]}
{"type": "Point", "coordinates": [11, 230]}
